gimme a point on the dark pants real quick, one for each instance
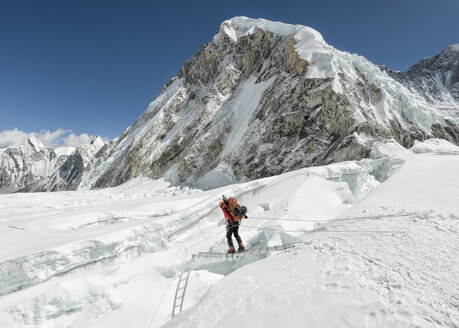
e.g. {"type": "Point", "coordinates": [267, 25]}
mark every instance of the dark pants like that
{"type": "Point", "coordinates": [233, 229]}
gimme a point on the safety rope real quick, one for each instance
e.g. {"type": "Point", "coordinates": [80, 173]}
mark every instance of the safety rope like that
{"type": "Point", "coordinates": [376, 217]}
{"type": "Point", "coordinates": [328, 231]}
{"type": "Point", "coordinates": [206, 239]}
{"type": "Point", "coordinates": [274, 229]}
{"type": "Point", "coordinates": [160, 302]}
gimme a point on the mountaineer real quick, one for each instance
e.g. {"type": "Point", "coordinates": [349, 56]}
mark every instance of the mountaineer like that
{"type": "Point", "coordinates": [233, 214]}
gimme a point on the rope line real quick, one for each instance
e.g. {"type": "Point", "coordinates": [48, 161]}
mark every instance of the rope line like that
{"type": "Point", "coordinates": [206, 239]}
{"type": "Point", "coordinates": [376, 217]}
{"type": "Point", "coordinates": [338, 231]}
{"type": "Point", "coordinates": [160, 302]}
{"type": "Point", "coordinates": [364, 231]}
{"type": "Point", "coordinates": [274, 229]}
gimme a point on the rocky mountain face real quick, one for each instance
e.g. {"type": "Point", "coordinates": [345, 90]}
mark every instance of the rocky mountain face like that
{"type": "Point", "coordinates": [74, 169]}
{"type": "Point", "coordinates": [21, 167]}
{"type": "Point", "coordinates": [436, 79]}
{"type": "Point", "coordinates": [262, 98]}
{"type": "Point", "coordinates": [33, 167]}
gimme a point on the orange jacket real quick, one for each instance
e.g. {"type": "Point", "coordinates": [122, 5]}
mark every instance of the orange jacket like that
{"type": "Point", "coordinates": [228, 210]}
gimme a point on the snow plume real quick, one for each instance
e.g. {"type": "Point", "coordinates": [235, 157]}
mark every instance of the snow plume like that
{"type": "Point", "coordinates": [51, 139]}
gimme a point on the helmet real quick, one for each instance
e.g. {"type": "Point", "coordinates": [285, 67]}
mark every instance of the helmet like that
{"type": "Point", "coordinates": [240, 210]}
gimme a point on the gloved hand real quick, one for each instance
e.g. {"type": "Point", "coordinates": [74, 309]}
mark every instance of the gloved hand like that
{"type": "Point", "coordinates": [245, 216]}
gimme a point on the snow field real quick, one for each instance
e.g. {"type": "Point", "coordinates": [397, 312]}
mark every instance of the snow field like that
{"type": "Point", "coordinates": [112, 257]}
{"type": "Point", "coordinates": [403, 276]}
{"type": "Point", "coordinates": [343, 280]}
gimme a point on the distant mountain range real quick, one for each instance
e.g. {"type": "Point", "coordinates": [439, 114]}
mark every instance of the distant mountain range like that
{"type": "Point", "coordinates": [261, 98]}
{"type": "Point", "coordinates": [33, 167]}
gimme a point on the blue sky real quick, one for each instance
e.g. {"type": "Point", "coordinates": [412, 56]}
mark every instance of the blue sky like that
{"type": "Point", "coordinates": [93, 66]}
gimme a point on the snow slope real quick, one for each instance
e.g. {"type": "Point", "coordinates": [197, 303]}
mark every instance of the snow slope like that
{"type": "Point", "coordinates": [377, 246]}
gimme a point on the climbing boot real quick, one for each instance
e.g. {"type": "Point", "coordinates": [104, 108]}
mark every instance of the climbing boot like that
{"type": "Point", "coordinates": [241, 248]}
{"type": "Point", "coordinates": [231, 250]}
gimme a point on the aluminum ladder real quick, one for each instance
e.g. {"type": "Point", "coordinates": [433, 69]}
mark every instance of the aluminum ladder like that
{"type": "Point", "coordinates": [247, 252]}
{"type": "Point", "coordinates": [180, 293]}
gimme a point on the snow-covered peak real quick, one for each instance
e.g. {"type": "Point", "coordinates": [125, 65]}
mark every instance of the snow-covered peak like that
{"type": "Point", "coordinates": [449, 53]}
{"type": "Point", "coordinates": [435, 79]}
{"type": "Point", "coordinates": [346, 69]}
{"type": "Point", "coordinates": [240, 26]}
{"type": "Point", "coordinates": [35, 143]}
{"type": "Point", "coordinates": [310, 44]}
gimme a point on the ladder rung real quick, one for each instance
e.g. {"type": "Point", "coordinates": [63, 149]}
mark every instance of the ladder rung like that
{"type": "Point", "coordinates": [181, 286]}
